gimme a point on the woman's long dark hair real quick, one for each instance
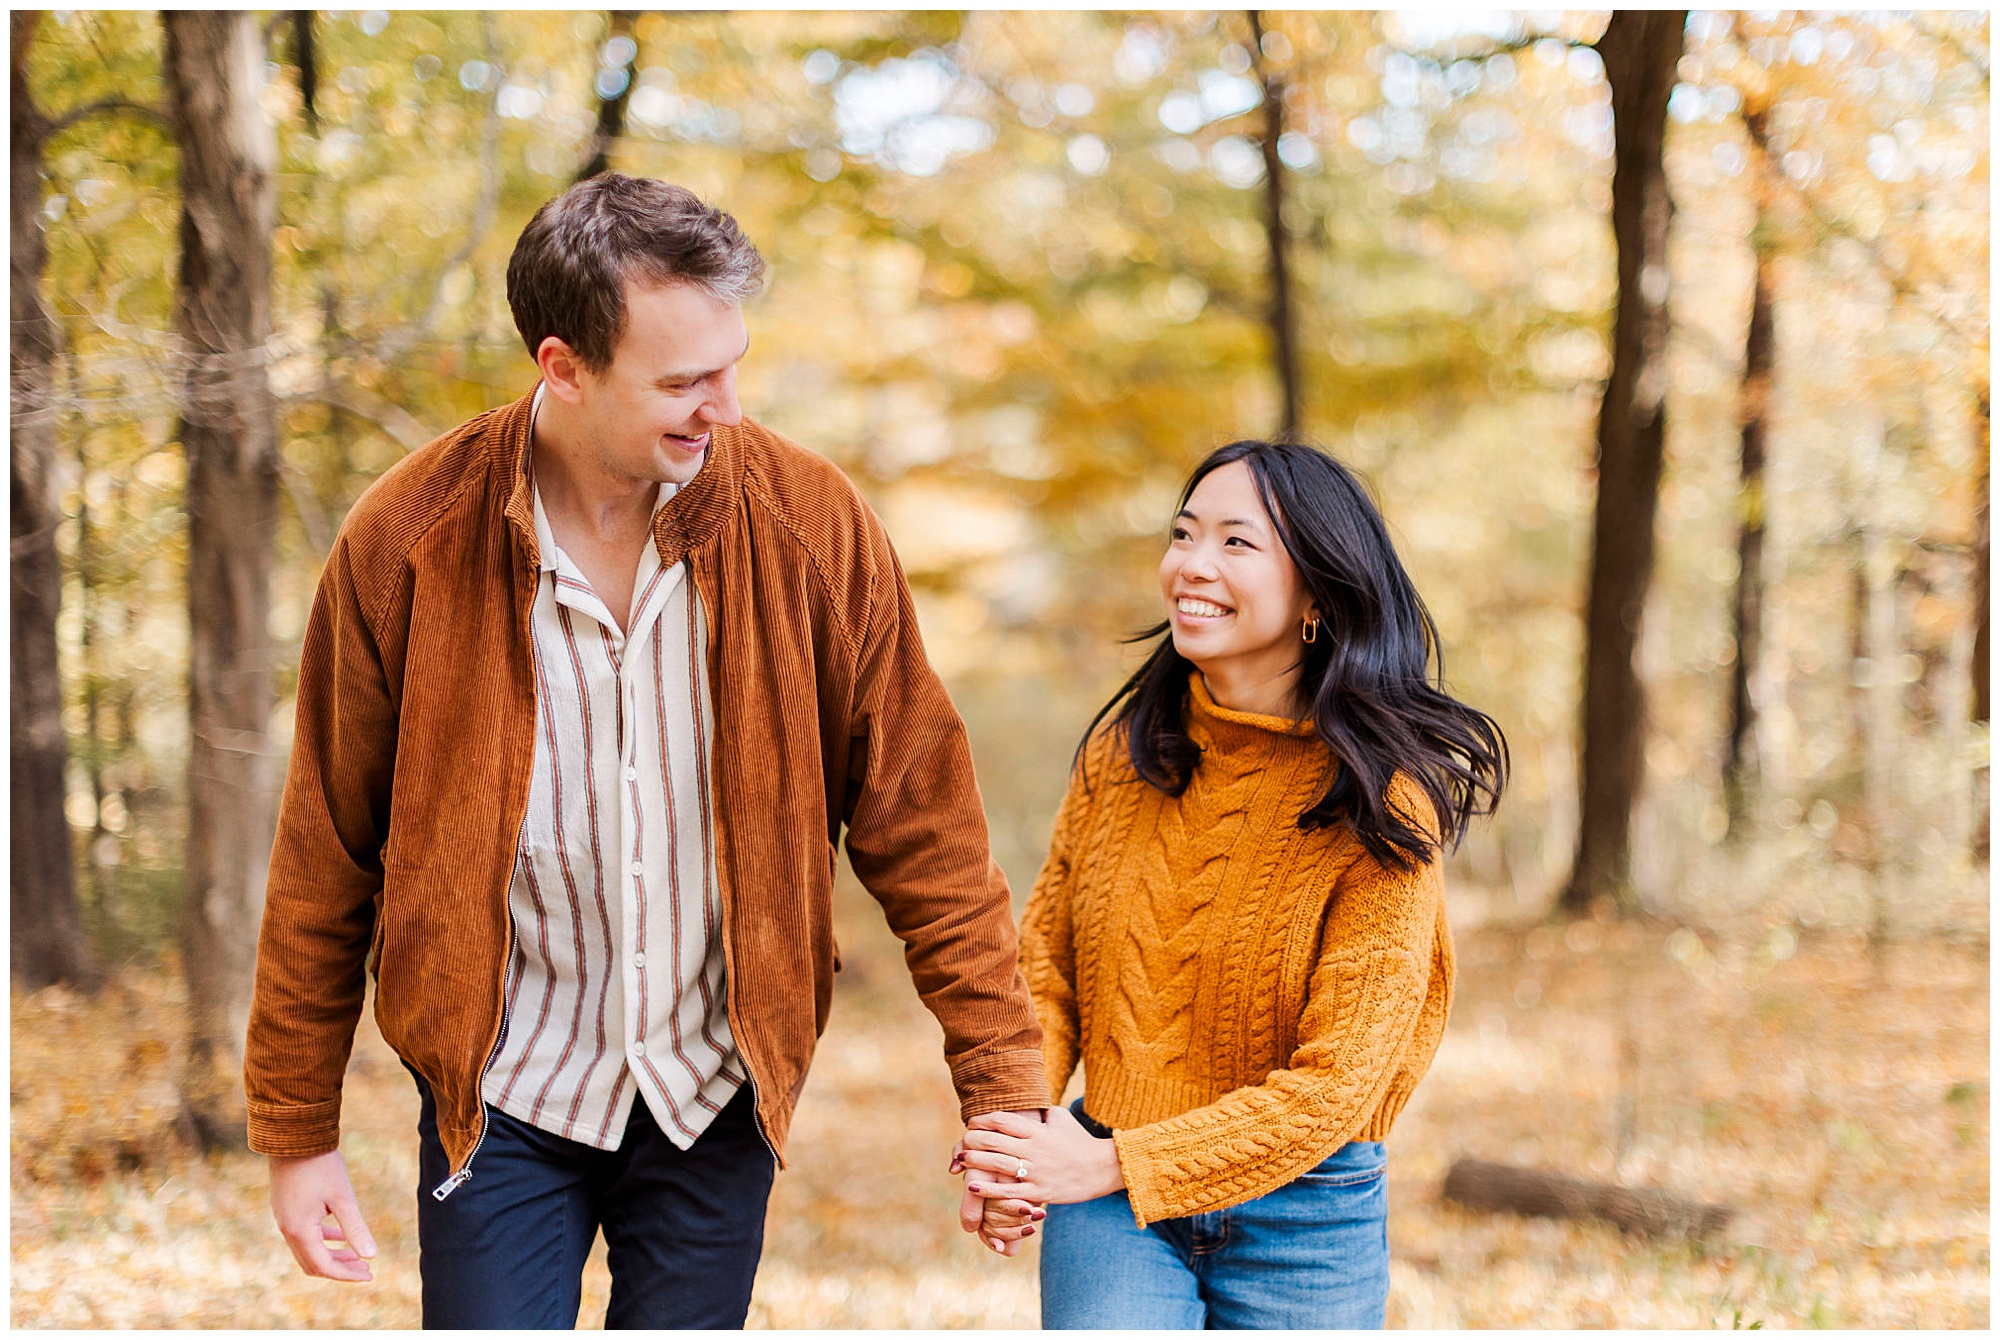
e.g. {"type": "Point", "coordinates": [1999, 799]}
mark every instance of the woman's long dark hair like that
{"type": "Point", "coordinates": [1375, 702]}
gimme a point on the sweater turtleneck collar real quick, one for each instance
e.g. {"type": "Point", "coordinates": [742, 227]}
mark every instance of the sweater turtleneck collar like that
{"type": "Point", "coordinates": [1226, 730]}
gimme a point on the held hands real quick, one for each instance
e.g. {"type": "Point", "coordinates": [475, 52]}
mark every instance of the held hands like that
{"type": "Point", "coordinates": [1001, 1222]}
{"type": "Point", "coordinates": [1014, 1159]}
{"type": "Point", "coordinates": [305, 1192]}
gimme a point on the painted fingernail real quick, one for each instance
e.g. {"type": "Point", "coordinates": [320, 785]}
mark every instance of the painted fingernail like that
{"type": "Point", "coordinates": [1028, 1232]}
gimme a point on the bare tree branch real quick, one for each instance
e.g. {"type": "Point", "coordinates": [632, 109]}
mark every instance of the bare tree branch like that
{"type": "Point", "coordinates": [611, 110]}
{"type": "Point", "coordinates": [485, 209]}
{"type": "Point", "coordinates": [312, 517]}
{"type": "Point", "coordinates": [1449, 52]}
{"type": "Point", "coordinates": [402, 427]}
{"type": "Point", "coordinates": [1891, 274]}
{"type": "Point", "coordinates": [1279, 318]}
{"type": "Point", "coordinates": [152, 116]}
{"type": "Point", "coordinates": [1830, 224]}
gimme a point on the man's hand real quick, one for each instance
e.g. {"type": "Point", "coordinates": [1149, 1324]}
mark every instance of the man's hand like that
{"type": "Point", "coordinates": [1001, 1223]}
{"type": "Point", "coordinates": [305, 1192]}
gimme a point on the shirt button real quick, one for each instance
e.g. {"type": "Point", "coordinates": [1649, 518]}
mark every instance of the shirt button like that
{"type": "Point", "coordinates": [637, 868]}
{"type": "Point", "coordinates": [631, 774]}
{"type": "Point", "coordinates": [639, 959]}
{"type": "Point", "coordinates": [639, 1048]}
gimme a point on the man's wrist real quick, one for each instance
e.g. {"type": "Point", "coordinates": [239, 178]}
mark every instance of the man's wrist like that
{"type": "Point", "coordinates": [1010, 1080]}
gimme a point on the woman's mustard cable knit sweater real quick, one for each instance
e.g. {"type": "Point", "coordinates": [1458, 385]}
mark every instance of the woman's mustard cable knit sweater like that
{"type": "Point", "coordinates": [1246, 996]}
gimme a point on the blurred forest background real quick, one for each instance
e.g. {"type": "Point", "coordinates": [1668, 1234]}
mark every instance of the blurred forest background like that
{"type": "Point", "coordinates": [1710, 543]}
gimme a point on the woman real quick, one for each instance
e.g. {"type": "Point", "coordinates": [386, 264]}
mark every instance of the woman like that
{"type": "Point", "coordinates": [1239, 930]}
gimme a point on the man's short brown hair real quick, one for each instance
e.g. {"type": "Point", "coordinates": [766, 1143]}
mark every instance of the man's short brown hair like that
{"type": "Point", "coordinates": [568, 273]}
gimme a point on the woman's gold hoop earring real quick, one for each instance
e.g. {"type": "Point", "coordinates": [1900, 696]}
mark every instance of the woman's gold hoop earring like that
{"type": "Point", "coordinates": [1311, 630]}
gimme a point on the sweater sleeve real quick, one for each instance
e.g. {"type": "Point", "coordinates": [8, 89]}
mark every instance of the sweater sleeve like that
{"type": "Point", "coordinates": [917, 838]}
{"type": "Point", "coordinates": [326, 873]}
{"type": "Point", "coordinates": [1363, 1002]}
{"type": "Point", "coordinates": [1048, 946]}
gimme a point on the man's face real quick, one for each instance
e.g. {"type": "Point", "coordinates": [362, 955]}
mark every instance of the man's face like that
{"type": "Point", "coordinates": [672, 379]}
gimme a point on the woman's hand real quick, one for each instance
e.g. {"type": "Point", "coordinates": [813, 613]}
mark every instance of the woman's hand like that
{"type": "Point", "coordinates": [1001, 1223]}
{"type": "Point", "coordinates": [1054, 1161]}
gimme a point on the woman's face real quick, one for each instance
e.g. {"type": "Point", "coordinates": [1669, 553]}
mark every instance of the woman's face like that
{"type": "Point", "coordinates": [1235, 601]}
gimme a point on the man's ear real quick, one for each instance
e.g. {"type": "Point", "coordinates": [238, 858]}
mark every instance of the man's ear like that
{"type": "Point", "coordinates": [561, 369]}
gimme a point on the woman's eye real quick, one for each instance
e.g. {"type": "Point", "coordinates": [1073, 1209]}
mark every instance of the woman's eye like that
{"type": "Point", "coordinates": [1180, 534]}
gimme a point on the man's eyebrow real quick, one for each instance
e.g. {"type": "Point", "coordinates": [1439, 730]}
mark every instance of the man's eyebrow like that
{"type": "Point", "coordinates": [684, 378]}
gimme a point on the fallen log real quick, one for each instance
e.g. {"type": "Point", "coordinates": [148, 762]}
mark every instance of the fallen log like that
{"type": "Point", "coordinates": [1479, 1185]}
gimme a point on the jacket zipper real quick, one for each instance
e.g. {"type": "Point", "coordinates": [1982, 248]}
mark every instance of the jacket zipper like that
{"type": "Point", "coordinates": [464, 1174]}
{"type": "Point", "coordinates": [742, 1050]}
{"type": "Point", "coordinates": [722, 902]}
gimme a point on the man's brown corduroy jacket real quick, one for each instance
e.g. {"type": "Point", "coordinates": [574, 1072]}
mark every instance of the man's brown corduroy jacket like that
{"type": "Point", "coordinates": [414, 742]}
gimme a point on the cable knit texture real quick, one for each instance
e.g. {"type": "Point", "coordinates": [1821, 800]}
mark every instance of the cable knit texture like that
{"type": "Point", "coordinates": [1245, 996]}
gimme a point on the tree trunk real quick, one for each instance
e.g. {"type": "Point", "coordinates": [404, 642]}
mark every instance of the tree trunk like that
{"type": "Point", "coordinates": [1478, 1185]}
{"type": "Point", "coordinates": [1878, 691]}
{"type": "Point", "coordinates": [1742, 769]}
{"type": "Point", "coordinates": [614, 90]}
{"type": "Point", "coordinates": [305, 50]}
{"type": "Point", "coordinates": [1284, 324]}
{"type": "Point", "coordinates": [1982, 616]}
{"type": "Point", "coordinates": [48, 943]}
{"type": "Point", "coordinates": [1880, 732]}
{"type": "Point", "coordinates": [1640, 50]}
{"type": "Point", "coordinates": [215, 68]}
{"type": "Point", "coordinates": [1982, 575]}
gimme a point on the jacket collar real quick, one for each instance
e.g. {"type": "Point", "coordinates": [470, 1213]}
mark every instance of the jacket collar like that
{"type": "Point", "coordinates": [696, 513]}
{"type": "Point", "coordinates": [692, 517]}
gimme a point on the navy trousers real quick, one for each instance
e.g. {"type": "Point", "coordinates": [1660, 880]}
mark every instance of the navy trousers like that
{"type": "Point", "coordinates": [683, 1229]}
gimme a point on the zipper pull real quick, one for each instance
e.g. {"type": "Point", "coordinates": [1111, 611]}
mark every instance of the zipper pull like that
{"type": "Point", "coordinates": [452, 1183]}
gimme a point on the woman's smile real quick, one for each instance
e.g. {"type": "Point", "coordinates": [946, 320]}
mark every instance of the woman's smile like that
{"type": "Point", "coordinates": [1235, 601]}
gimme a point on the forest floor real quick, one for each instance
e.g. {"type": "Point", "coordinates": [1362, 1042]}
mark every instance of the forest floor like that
{"type": "Point", "coordinates": [1838, 1098]}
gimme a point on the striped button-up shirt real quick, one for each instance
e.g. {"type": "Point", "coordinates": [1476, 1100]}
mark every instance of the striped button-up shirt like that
{"type": "Point", "coordinates": [616, 981]}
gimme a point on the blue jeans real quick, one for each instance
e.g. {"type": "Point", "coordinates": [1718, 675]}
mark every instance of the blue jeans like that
{"type": "Point", "coordinates": [683, 1229]}
{"type": "Point", "coordinates": [1314, 1253]}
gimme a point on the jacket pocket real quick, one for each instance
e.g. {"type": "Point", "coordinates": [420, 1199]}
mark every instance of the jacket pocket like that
{"type": "Point", "coordinates": [374, 960]}
{"type": "Point", "coordinates": [392, 972]}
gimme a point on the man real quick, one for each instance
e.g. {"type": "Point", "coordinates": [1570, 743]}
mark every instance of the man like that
{"type": "Point", "coordinates": [591, 687]}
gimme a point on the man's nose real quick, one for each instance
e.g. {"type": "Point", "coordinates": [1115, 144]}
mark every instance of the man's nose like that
{"type": "Point", "coordinates": [723, 409]}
